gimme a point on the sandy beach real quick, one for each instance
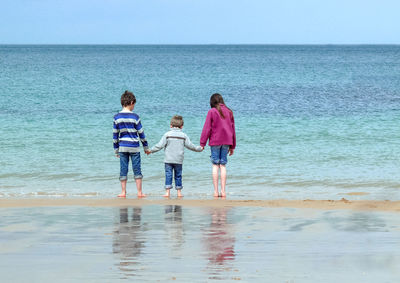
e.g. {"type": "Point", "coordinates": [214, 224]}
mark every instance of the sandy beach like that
{"type": "Point", "coordinates": [343, 204]}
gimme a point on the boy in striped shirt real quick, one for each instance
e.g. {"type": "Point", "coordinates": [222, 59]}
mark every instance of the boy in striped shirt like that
{"type": "Point", "coordinates": [127, 133]}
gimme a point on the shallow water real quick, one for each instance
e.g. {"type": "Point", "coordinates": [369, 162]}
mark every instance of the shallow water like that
{"type": "Point", "coordinates": [189, 244]}
{"type": "Point", "coordinates": [316, 121]}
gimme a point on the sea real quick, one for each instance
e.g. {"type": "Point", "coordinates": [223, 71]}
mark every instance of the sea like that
{"type": "Point", "coordinates": [312, 121]}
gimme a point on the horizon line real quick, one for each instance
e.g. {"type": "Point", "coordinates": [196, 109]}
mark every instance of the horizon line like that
{"type": "Point", "coordinates": [199, 44]}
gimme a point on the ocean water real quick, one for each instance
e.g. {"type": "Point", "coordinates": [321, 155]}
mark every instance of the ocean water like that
{"type": "Point", "coordinates": [312, 121]}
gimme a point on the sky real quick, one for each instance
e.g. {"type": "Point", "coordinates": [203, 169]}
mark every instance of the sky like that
{"type": "Point", "coordinates": [199, 22]}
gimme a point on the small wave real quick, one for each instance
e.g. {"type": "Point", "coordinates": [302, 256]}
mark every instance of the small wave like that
{"type": "Point", "coordinates": [9, 187]}
{"type": "Point", "coordinates": [48, 194]}
{"type": "Point", "coordinates": [52, 194]}
{"type": "Point", "coordinates": [88, 194]}
{"type": "Point", "coordinates": [44, 176]}
{"type": "Point", "coordinates": [96, 179]}
{"type": "Point", "coordinates": [328, 184]}
{"type": "Point", "coordinates": [52, 177]}
{"type": "Point", "coordinates": [18, 175]}
{"type": "Point", "coordinates": [355, 194]}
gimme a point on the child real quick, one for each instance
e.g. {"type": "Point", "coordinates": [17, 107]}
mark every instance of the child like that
{"type": "Point", "coordinates": [219, 129]}
{"type": "Point", "coordinates": [174, 142]}
{"type": "Point", "coordinates": [126, 135]}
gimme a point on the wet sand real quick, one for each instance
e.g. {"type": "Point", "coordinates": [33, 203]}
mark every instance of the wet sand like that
{"type": "Point", "coordinates": [225, 241]}
{"type": "Point", "coordinates": [342, 204]}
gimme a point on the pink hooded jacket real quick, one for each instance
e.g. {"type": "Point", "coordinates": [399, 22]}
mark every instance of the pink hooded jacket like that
{"type": "Point", "coordinates": [220, 131]}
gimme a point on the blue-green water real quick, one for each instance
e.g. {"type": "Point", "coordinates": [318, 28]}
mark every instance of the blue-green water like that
{"type": "Point", "coordinates": [311, 121]}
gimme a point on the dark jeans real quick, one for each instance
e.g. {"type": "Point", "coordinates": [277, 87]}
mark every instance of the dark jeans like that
{"type": "Point", "coordinates": [124, 164]}
{"type": "Point", "coordinates": [175, 169]}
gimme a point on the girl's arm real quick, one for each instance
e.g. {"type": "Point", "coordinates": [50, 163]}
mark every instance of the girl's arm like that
{"type": "Point", "coordinates": [234, 133]}
{"type": "Point", "coordinates": [233, 146]}
{"type": "Point", "coordinates": [206, 133]}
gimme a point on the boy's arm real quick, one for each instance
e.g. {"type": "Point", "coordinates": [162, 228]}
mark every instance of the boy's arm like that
{"type": "Point", "coordinates": [160, 145]}
{"type": "Point", "coordinates": [142, 136]}
{"type": "Point", "coordinates": [191, 146]}
{"type": "Point", "coordinates": [116, 137]}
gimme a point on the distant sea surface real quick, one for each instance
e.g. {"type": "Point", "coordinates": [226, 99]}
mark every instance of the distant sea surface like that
{"type": "Point", "coordinates": [312, 122]}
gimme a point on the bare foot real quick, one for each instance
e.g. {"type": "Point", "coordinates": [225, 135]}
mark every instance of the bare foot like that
{"type": "Point", "coordinates": [180, 195]}
{"type": "Point", "coordinates": [216, 194]}
{"type": "Point", "coordinates": [167, 193]}
{"type": "Point", "coordinates": [122, 195]}
{"type": "Point", "coordinates": [141, 195]}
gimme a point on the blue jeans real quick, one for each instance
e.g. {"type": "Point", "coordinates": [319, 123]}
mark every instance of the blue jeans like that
{"type": "Point", "coordinates": [171, 168]}
{"type": "Point", "coordinates": [219, 154]}
{"type": "Point", "coordinates": [124, 164]}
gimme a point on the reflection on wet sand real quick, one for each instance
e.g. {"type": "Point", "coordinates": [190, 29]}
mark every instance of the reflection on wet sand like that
{"type": "Point", "coordinates": [356, 222]}
{"type": "Point", "coordinates": [220, 242]}
{"type": "Point", "coordinates": [128, 240]}
{"type": "Point", "coordinates": [186, 244]}
{"type": "Point", "coordinates": [174, 226]}
{"type": "Point", "coordinates": [248, 244]}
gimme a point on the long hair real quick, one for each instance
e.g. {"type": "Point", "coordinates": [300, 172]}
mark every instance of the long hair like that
{"type": "Point", "coordinates": [215, 101]}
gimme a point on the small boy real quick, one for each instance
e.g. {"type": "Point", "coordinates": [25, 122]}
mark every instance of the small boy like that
{"type": "Point", "coordinates": [174, 142]}
{"type": "Point", "coordinates": [126, 135]}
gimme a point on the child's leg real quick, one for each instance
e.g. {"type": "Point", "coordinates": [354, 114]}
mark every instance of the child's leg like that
{"type": "Point", "coordinates": [215, 173]}
{"type": "Point", "coordinates": [223, 180]}
{"type": "Point", "coordinates": [123, 189]}
{"type": "Point", "coordinates": [123, 174]}
{"type": "Point", "coordinates": [137, 173]}
{"type": "Point", "coordinates": [168, 179]}
{"type": "Point", "coordinates": [139, 187]}
{"type": "Point", "coordinates": [178, 179]}
{"type": "Point", "coordinates": [215, 160]}
{"type": "Point", "coordinates": [223, 159]}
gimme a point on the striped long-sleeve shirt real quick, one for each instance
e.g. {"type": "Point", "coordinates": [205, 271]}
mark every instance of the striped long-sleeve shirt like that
{"type": "Point", "coordinates": [127, 133]}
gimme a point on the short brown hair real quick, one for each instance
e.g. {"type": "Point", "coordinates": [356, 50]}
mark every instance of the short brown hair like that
{"type": "Point", "coordinates": [127, 98]}
{"type": "Point", "coordinates": [177, 121]}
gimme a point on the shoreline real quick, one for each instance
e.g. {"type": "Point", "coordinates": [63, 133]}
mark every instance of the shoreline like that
{"type": "Point", "coordinates": [343, 204]}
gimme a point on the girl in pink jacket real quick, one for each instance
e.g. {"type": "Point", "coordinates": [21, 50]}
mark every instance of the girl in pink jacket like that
{"type": "Point", "coordinates": [219, 130]}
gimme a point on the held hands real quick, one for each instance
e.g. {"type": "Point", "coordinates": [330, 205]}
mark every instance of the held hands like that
{"type": "Point", "coordinates": [231, 151]}
{"type": "Point", "coordinates": [148, 152]}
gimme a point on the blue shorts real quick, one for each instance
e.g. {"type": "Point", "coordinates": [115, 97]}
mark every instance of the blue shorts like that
{"type": "Point", "coordinates": [219, 154]}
